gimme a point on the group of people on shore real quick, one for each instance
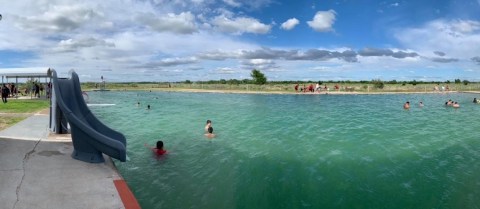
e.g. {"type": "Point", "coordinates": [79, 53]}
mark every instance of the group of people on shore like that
{"type": "Point", "coordinates": [10, 90]}
{"type": "Point", "coordinates": [312, 88]}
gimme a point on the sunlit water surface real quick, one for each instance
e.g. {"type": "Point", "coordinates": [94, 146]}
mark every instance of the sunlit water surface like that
{"type": "Point", "coordinates": [298, 151]}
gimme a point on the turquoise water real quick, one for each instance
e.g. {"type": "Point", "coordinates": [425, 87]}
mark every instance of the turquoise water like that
{"type": "Point", "coordinates": [298, 151]}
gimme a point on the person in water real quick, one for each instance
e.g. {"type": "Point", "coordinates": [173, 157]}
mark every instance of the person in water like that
{"type": "Point", "coordinates": [208, 125]}
{"type": "Point", "coordinates": [406, 105]}
{"type": "Point", "coordinates": [475, 100]}
{"type": "Point", "coordinates": [210, 133]}
{"type": "Point", "coordinates": [456, 105]}
{"type": "Point", "coordinates": [420, 104]}
{"type": "Point", "coordinates": [148, 107]}
{"type": "Point", "coordinates": [159, 149]}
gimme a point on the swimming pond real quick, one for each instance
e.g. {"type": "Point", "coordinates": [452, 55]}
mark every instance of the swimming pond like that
{"type": "Point", "coordinates": [298, 151]}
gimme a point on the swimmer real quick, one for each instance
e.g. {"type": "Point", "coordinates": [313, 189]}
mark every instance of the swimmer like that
{"type": "Point", "coordinates": [159, 149]}
{"type": "Point", "coordinates": [475, 100]}
{"type": "Point", "coordinates": [420, 104]}
{"type": "Point", "coordinates": [406, 105]}
{"type": "Point", "coordinates": [138, 104]}
{"type": "Point", "coordinates": [456, 105]}
{"type": "Point", "coordinates": [209, 124]}
{"type": "Point", "coordinates": [450, 102]}
{"type": "Point", "coordinates": [210, 133]}
{"type": "Point", "coordinates": [148, 107]}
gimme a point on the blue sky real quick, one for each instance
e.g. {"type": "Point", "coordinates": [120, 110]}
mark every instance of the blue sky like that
{"type": "Point", "coordinates": [172, 40]}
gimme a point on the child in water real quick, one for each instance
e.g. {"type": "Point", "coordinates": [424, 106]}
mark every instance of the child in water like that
{"type": "Point", "coordinates": [210, 133]}
{"type": "Point", "coordinates": [209, 129]}
{"type": "Point", "coordinates": [159, 149]}
{"type": "Point", "coordinates": [209, 124]}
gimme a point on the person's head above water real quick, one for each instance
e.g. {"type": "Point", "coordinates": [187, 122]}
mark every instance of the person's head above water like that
{"type": "Point", "coordinates": [210, 130]}
{"type": "Point", "coordinates": [209, 121]}
{"type": "Point", "coordinates": [159, 144]}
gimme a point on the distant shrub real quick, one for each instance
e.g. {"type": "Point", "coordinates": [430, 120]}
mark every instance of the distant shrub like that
{"type": "Point", "coordinates": [378, 84]}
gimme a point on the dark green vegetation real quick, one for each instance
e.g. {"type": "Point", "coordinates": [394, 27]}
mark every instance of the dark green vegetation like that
{"type": "Point", "coordinates": [258, 77]}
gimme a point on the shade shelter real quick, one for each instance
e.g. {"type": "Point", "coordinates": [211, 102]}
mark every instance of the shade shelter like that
{"type": "Point", "coordinates": [9, 74]}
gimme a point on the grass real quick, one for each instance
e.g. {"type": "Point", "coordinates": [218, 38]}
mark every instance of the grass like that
{"type": "Point", "coordinates": [6, 122]}
{"type": "Point", "coordinates": [23, 106]}
{"type": "Point", "coordinates": [14, 106]}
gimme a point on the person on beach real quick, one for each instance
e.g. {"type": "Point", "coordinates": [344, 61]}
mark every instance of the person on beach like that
{"type": "Point", "coordinates": [406, 105]}
{"type": "Point", "coordinates": [159, 149]}
{"type": "Point", "coordinates": [210, 133]}
{"type": "Point", "coordinates": [37, 90]}
{"type": "Point", "coordinates": [5, 93]}
{"type": "Point", "coordinates": [296, 87]}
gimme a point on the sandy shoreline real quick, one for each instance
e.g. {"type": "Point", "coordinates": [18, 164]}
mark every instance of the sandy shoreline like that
{"type": "Point", "coordinates": [288, 92]}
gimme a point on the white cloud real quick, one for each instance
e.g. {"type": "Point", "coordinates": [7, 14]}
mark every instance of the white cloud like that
{"type": "Point", "coordinates": [323, 21]}
{"type": "Point", "coordinates": [183, 23]}
{"type": "Point", "coordinates": [225, 70]}
{"type": "Point", "coordinates": [232, 3]}
{"type": "Point", "coordinates": [75, 44]}
{"type": "Point", "coordinates": [58, 19]}
{"type": "Point", "coordinates": [290, 24]}
{"type": "Point", "coordinates": [240, 25]}
{"type": "Point", "coordinates": [465, 26]}
{"type": "Point", "coordinates": [456, 38]}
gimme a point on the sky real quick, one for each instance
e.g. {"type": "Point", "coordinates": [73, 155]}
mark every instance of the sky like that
{"type": "Point", "coordinates": [200, 40]}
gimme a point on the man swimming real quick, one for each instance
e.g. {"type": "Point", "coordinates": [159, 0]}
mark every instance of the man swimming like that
{"type": "Point", "coordinates": [208, 125]}
{"type": "Point", "coordinates": [210, 133]}
{"type": "Point", "coordinates": [406, 105]}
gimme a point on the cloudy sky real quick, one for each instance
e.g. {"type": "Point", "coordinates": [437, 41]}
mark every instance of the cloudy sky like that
{"type": "Point", "coordinates": [174, 40]}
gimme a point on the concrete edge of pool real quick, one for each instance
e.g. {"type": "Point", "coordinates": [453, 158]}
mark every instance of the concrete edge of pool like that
{"type": "Point", "coordinates": [37, 171]}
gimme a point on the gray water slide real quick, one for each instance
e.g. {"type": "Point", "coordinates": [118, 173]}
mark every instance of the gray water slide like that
{"type": "Point", "coordinates": [90, 136]}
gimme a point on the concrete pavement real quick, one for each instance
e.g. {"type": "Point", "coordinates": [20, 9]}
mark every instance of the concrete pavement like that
{"type": "Point", "coordinates": [36, 171]}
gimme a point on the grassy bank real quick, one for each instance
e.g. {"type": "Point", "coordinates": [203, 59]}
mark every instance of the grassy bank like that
{"type": "Point", "coordinates": [288, 88]}
{"type": "Point", "coordinates": [17, 110]}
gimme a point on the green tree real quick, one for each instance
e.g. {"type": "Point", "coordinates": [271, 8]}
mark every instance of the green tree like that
{"type": "Point", "coordinates": [378, 84]}
{"type": "Point", "coordinates": [258, 77]}
{"type": "Point", "coordinates": [457, 81]}
{"type": "Point", "coordinates": [465, 82]}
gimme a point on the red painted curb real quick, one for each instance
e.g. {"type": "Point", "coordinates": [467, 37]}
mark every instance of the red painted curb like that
{"type": "Point", "coordinates": [129, 201]}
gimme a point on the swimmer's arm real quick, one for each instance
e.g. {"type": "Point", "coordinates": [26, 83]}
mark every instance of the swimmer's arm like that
{"type": "Point", "coordinates": [149, 147]}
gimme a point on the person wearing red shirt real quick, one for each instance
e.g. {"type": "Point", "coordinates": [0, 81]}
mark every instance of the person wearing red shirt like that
{"type": "Point", "coordinates": [159, 149]}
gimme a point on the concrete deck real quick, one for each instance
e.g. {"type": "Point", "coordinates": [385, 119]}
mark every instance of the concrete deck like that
{"type": "Point", "coordinates": [36, 171]}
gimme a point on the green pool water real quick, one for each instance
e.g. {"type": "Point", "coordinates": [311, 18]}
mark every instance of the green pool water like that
{"type": "Point", "coordinates": [298, 151]}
